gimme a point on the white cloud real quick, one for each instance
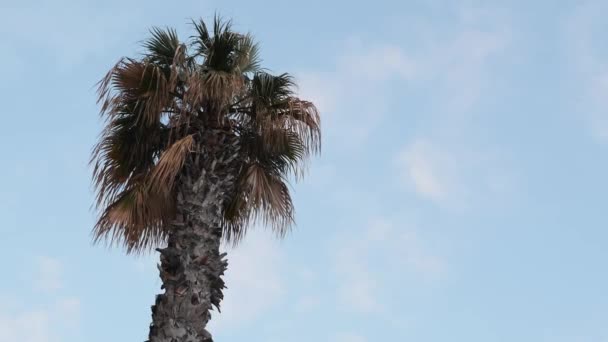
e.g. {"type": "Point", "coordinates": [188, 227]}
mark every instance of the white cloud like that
{"type": "Point", "coordinates": [254, 280]}
{"type": "Point", "coordinates": [417, 257]}
{"type": "Point", "coordinates": [359, 257]}
{"type": "Point", "coordinates": [460, 67]}
{"type": "Point", "coordinates": [358, 288]}
{"type": "Point", "coordinates": [44, 322]}
{"type": "Point", "coordinates": [378, 63]}
{"type": "Point", "coordinates": [29, 326]}
{"type": "Point", "coordinates": [404, 246]}
{"type": "Point", "coordinates": [452, 175]}
{"type": "Point", "coordinates": [350, 106]}
{"type": "Point", "coordinates": [69, 311]}
{"type": "Point", "coordinates": [354, 96]}
{"type": "Point", "coordinates": [358, 292]}
{"type": "Point", "coordinates": [424, 167]}
{"type": "Point", "coordinates": [48, 274]}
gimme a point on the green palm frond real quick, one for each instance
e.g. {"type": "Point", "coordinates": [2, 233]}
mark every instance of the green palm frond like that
{"type": "Point", "coordinates": [247, 55]}
{"type": "Point", "coordinates": [162, 45]}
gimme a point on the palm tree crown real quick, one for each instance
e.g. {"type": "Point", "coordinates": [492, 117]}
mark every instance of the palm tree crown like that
{"type": "Point", "coordinates": [157, 109]}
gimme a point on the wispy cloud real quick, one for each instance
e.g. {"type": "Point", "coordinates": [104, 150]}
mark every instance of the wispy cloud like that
{"type": "Point", "coordinates": [425, 168]}
{"type": "Point", "coordinates": [358, 255]}
{"type": "Point", "coordinates": [454, 175]}
{"type": "Point", "coordinates": [43, 322]}
{"type": "Point", "coordinates": [255, 277]}
{"type": "Point", "coordinates": [355, 95]}
{"type": "Point", "coordinates": [49, 273]}
{"type": "Point", "coordinates": [29, 326]}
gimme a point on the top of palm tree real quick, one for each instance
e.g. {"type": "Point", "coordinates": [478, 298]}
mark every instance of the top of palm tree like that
{"type": "Point", "coordinates": [157, 107]}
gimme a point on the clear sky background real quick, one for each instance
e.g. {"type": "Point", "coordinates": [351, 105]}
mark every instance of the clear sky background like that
{"type": "Point", "coordinates": [461, 194]}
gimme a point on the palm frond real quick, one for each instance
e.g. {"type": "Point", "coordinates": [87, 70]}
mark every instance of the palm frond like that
{"type": "Point", "coordinates": [247, 59]}
{"type": "Point", "coordinates": [170, 163]}
{"type": "Point", "coordinates": [218, 49]}
{"type": "Point", "coordinates": [162, 46]}
{"type": "Point", "coordinates": [268, 90]}
{"type": "Point", "coordinates": [125, 150]}
{"type": "Point", "coordinates": [202, 40]}
{"type": "Point", "coordinates": [263, 196]}
{"type": "Point", "coordinates": [276, 111]}
{"type": "Point", "coordinates": [303, 118]}
{"type": "Point", "coordinates": [135, 219]}
{"type": "Point", "coordinates": [142, 87]}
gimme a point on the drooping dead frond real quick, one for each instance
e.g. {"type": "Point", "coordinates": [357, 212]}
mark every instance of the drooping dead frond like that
{"type": "Point", "coordinates": [170, 163]}
{"type": "Point", "coordinates": [135, 219]}
{"type": "Point", "coordinates": [280, 132]}
{"type": "Point", "coordinates": [124, 151]}
{"type": "Point", "coordinates": [263, 195]}
{"type": "Point", "coordinates": [301, 117]}
{"type": "Point", "coordinates": [280, 118]}
{"type": "Point", "coordinates": [142, 86]}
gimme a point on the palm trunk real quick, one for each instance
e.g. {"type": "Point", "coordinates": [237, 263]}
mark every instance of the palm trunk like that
{"type": "Point", "coordinates": [191, 265]}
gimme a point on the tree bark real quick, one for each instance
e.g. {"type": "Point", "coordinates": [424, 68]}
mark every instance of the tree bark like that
{"type": "Point", "coordinates": [191, 265]}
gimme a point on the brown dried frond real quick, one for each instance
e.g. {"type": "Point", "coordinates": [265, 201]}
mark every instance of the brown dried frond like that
{"type": "Point", "coordinates": [275, 106]}
{"type": "Point", "coordinates": [170, 163]}
{"type": "Point", "coordinates": [263, 195]}
{"type": "Point", "coordinates": [211, 87]}
{"type": "Point", "coordinates": [135, 219]}
{"type": "Point", "coordinates": [303, 118]}
{"type": "Point", "coordinates": [143, 85]}
{"type": "Point", "coordinates": [125, 150]}
{"type": "Point", "coordinates": [290, 130]}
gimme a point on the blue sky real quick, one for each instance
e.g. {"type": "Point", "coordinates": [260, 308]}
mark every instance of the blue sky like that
{"type": "Point", "coordinates": [460, 196]}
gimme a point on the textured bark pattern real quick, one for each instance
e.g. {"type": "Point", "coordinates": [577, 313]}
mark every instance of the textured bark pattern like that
{"type": "Point", "coordinates": [191, 266]}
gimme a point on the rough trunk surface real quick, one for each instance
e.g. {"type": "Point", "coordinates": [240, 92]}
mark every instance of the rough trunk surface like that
{"type": "Point", "coordinates": [191, 265]}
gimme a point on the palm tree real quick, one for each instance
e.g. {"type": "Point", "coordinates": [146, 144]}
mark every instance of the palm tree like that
{"type": "Point", "coordinates": [199, 143]}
